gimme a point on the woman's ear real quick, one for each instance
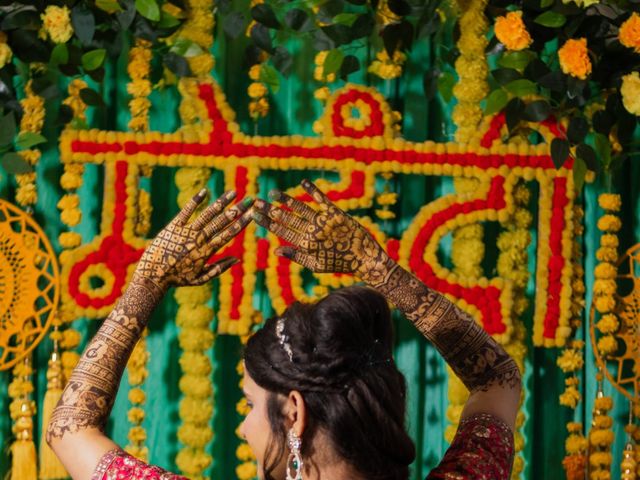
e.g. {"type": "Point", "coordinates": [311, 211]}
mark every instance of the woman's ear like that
{"type": "Point", "coordinates": [296, 412]}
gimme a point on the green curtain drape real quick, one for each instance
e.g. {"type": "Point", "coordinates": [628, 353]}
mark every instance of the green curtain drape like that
{"type": "Point", "coordinates": [293, 112]}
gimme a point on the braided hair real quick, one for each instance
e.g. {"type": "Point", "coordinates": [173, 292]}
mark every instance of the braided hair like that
{"type": "Point", "coordinates": [342, 365]}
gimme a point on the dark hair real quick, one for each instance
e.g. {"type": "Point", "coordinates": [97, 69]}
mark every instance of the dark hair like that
{"type": "Point", "coordinates": [344, 369]}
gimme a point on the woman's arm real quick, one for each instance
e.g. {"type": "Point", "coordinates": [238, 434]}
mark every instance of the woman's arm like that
{"type": "Point", "coordinates": [329, 240]}
{"type": "Point", "coordinates": [177, 256]}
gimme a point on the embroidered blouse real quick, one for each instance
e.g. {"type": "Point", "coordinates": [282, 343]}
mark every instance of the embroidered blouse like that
{"type": "Point", "coordinates": [481, 450]}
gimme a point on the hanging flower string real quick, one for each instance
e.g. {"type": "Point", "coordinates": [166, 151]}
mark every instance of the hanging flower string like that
{"type": "Point", "coordinates": [31, 123]}
{"type": "Point", "coordinates": [604, 287]}
{"type": "Point", "coordinates": [137, 374]}
{"type": "Point", "coordinates": [387, 66]}
{"type": "Point", "coordinates": [571, 361]}
{"type": "Point", "coordinates": [247, 468]}
{"type": "Point", "coordinates": [601, 435]}
{"type": "Point", "coordinates": [257, 90]}
{"type": "Point", "coordinates": [472, 69]}
{"type": "Point", "coordinates": [386, 199]}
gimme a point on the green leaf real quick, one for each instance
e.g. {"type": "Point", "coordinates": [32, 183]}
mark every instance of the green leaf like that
{"type": "Point", "coordinates": [234, 24]}
{"type": "Point", "coordinates": [446, 81]}
{"type": "Point", "coordinates": [186, 48]}
{"type": "Point", "coordinates": [559, 151]}
{"type": "Point", "coordinates": [340, 34]}
{"type": "Point", "coordinates": [264, 14]}
{"type": "Point", "coordinates": [588, 155]}
{"type": "Point", "coordinates": [84, 24]}
{"type": "Point", "coordinates": [7, 129]}
{"type": "Point", "coordinates": [167, 20]}
{"type": "Point", "coordinates": [333, 62]}
{"type": "Point", "coordinates": [346, 18]}
{"type": "Point", "coordinates": [109, 6]}
{"type": "Point", "coordinates": [546, 3]}
{"type": "Point", "coordinates": [579, 172]}
{"type": "Point", "coordinates": [516, 60]}
{"type": "Point", "coordinates": [269, 76]}
{"type": "Point", "coordinates": [513, 113]}
{"type": "Point", "coordinates": [148, 9]}
{"type": "Point", "coordinates": [350, 64]}
{"type": "Point", "coordinates": [537, 111]}
{"type": "Point", "coordinates": [550, 19]}
{"type": "Point", "coordinates": [261, 37]}
{"type": "Point", "coordinates": [603, 149]}
{"type": "Point", "coordinates": [91, 97]}
{"type": "Point", "coordinates": [94, 59]}
{"type": "Point", "coordinates": [505, 75]}
{"type": "Point", "coordinates": [521, 87]}
{"type": "Point", "coordinates": [29, 139]}
{"type": "Point", "coordinates": [14, 164]}
{"type": "Point", "coordinates": [496, 101]}
{"type": "Point", "coordinates": [295, 18]}
{"type": "Point", "coordinates": [59, 55]}
{"type": "Point", "coordinates": [177, 64]}
{"type": "Point", "coordinates": [578, 129]}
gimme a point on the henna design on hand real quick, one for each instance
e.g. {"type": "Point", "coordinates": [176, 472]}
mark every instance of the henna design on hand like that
{"type": "Point", "coordinates": [177, 256]}
{"type": "Point", "coordinates": [329, 240]}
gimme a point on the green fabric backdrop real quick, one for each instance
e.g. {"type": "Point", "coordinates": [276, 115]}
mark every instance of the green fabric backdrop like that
{"type": "Point", "coordinates": [293, 111]}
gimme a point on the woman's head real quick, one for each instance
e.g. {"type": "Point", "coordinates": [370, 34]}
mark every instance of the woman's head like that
{"type": "Point", "coordinates": [340, 379]}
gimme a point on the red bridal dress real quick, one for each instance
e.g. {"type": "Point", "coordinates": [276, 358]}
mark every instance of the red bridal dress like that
{"type": "Point", "coordinates": [481, 450]}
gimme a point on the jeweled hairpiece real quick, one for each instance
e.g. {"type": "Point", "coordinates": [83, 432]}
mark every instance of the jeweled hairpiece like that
{"type": "Point", "coordinates": [283, 339]}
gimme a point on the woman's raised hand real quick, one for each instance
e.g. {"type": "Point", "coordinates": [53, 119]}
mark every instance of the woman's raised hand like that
{"type": "Point", "coordinates": [178, 255]}
{"type": "Point", "coordinates": [323, 240]}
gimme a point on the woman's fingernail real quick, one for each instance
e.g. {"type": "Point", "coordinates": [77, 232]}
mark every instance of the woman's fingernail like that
{"type": "Point", "coordinates": [247, 201]}
{"type": "Point", "coordinates": [202, 193]}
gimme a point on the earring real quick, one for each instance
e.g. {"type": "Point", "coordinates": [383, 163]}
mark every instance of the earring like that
{"type": "Point", "coordinates": [294, 460]}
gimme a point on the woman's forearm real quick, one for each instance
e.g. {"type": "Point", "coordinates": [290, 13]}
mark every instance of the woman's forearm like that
{"type": "Point", "coordinates": [90, 392]}
{"type": "Point", "coordinates": [478, 360]}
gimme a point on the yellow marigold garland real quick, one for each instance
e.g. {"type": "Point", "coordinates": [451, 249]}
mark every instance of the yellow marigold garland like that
{"type": "Point", "coordinates": [6, 54]}
{"type": "Point", "coordinates": [31, 122]}
{"type": "Point", "coordinates": [512, 265]}
{"type": "Point", "coordinates": [247, 468]}
{"type": "Point", "coordinates": [604, 288]}
{"type": "Point", "coordinates": [138, 373]}
{"type": "Point", "coordinates": [195, 338]}
{"type": "Point", "coordinates": [139, 68]}
{"type": "Point", "coordinates": [601, 436]}
{"type": "Point", "coordinates": [22, 409]}
{"type": "Point", "coordinates": [385, 66]}
{"type": "Point", "coordinates": [198, 28]}
{"type": "Point", "coordinates": [472, 70]}
{"type": "Point", "coordinates": [258, 92]}
{"type": "Point", "coordinates": [386, 199]}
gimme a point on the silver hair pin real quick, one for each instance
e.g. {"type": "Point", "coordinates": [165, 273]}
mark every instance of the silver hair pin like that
{"type": "Point", "coordinates": [283, 339]}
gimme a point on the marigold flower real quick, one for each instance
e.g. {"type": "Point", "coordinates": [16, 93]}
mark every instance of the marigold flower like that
{"type": "Point", "coordinates": [609, 223]}
{"type": "Point", "coordinates": [244, 452]}
{"type": "Point", "coordinates": [137, 396]}
{"type": "Point", "coordinates": [607, 254]}
{"type": "Point", "coordinates": [630, 91]}
{"type": "Point", "coordinates": [135, 415]}
{"type": "Point", "coordinates": [601, 437]}
{"type": "Point", "coordinates": [257, 90]}
{"type": "Point", "coordinates": [57, 23]}
{"type": "Point", "coordinates": [605, 303]}
{"type": "Point", "coordinates": [137, 435]}
{"type": "Point", "coordinates": [512, 32]}
{"type": "Point", "coordinates": [574, 58]}
{"type": "Point", "coordinates": [629, 34]}
{"type": "Point", "coordinates": [70, 338]}
{"type": "Point", "coordinates": [254, 72]}
{"type": "Point", "coordinates": [600, 458]}
{"type": "Point", "coordinates": [570, 397]}
{"type": "Point", "coordinates": [610, 201]}
{"type": "Point", "coordinates": [609, 240]}
{"type": "Point", "coordinates": [605, 270]}
{"type": "Point", "coordinates": [27, 194]}
{"type": "Point", "coordinates": [608, 323]}
{"type": "Point", "coordinates": [5, 54]}
{"type": "Point", "coordinates": [607, 345]}
{"type": "Point", "coordinates": [576, 444]}
{"type": "Point", "coordinates": [246, 470]}
{"type": "Point", "coordinates": [70, 200]}
{"type": "Point", "coordinates": [570, 360]}
{"type": "Point", "coordinates": [322, 93]}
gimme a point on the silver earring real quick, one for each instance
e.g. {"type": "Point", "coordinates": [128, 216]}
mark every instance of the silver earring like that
{"type": "Point", "coordinates": [294, 461]}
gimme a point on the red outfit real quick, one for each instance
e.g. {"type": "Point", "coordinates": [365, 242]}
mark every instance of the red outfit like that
{"type": "Point", "coordinates": [481, 450]}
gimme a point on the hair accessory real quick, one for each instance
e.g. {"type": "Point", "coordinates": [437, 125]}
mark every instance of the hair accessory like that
{"type": "Point", "coordinates": [283, 339]}
{"type": "Point", "coordinates": [295, 459]}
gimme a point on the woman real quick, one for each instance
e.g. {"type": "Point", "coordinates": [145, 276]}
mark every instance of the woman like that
{"type": "Point", "coordinates": [327, 400]}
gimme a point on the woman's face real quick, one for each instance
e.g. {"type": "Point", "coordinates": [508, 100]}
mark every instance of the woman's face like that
{"type": "Point", "coordinates": [255, 428]}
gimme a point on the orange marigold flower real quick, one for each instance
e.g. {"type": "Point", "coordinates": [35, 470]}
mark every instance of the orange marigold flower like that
{"type": "Point", "coordinates": [629, 34]}
{"type": "Point", "coordinates": [512, 32]}
{"type": "Point", "coordinates": [574, 58]}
